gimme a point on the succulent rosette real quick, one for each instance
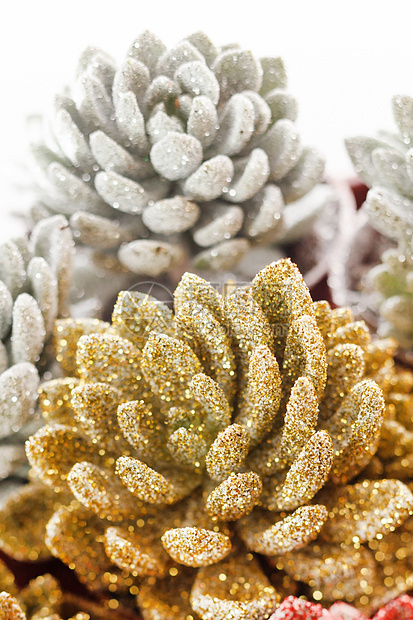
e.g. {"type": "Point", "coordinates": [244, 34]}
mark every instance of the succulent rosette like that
{"type": "Point", "coordinates": [385, 164]}
{"type": "Point", "coordinates": [182, 449]}
{"type": "Point", "coordinates": [176, 154]}
{"type": "Point", "coordinates": [35, 277]}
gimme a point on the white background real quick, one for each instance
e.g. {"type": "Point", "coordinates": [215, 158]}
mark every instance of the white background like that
{"type": "Point", "coordinates": [345, 59]}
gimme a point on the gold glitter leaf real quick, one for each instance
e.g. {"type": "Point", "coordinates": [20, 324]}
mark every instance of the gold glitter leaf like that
{"type": "Point", "coordinates": [212, 398]}
{"type": "Point", "coordinates": [241, 592]}
{"type": "Point", "coordinates": [136, 314]}
{"type": "Point", "coordinates": [194, 288]}
{"type": "Point", "coordinates": [139, 554]}
{"type": "Point", "coordinates": [167, 599]}
{"type": "Point", "coordinates": [150, 485]}
{"type": "Point", "coordinates": [262, 396]}
{"type": "Point", "coordinates": [235, 497]}
{"type": "Point", "coordinates": [23, 520]}
{"type": "Point", "coordinates": [294, 531]}
{"type": "Point", "coordinates": [282, 294]}
{"type": "Point", "coordinates": [248, 328]}
{"type": "Point", "coordinates": [304, 356]}
{"type": "Point", "coordinates": [7, 579]}
{"type": "Point", "coordinates": [228, 453]}
{"type": "Point", "coordinates": [208, 338]}
{"type": "Point", "coordinates": [355, 430]}
{"type": "Point", "coordinates": [352, 333]}
{"type": "Point", "coordinates": [101, 491]}
{"type": "Point", "coordinates": [74, 535]}
{"type": "Point", "coordinates": [52, 464]}
{"type": "Point", "coordinates": [280, 449]}
{"type": "Point", "coordinates": [143, 428]}
{"type": "Point", "coordinates": [362, 511]}
{"type": "Point", "coordinates": [169, 365]}
{"type": "Point", "coordinates": [324, 318]}
{"type": "Point", "coordinates": [109, 359]}
{"type": "Point", "coordinates": [54, 400]}
{"type": "Point", "coordinates": [304, 479]}
{"type": "Point", "coordinates": [9, 608]}
{"type": "Point", "coordinates": [41, 597]}
{"type": "Point", "coordinates": [95, 407]}
{"type": "Point", "coordinates": [187, 447]}
{"type": "Point", "coordinates": [345, 368]}
{"type": "Point", "coordinates": [195, 547]}
{"type": "Point", "coordinates": [352, 571]}
{"type": "Point", "coordinates": [66, 335]}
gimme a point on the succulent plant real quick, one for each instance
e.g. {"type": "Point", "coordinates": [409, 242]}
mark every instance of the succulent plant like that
{"type": "Point", "coordinates": [35, 277]}
{"type": "Point", "coordinates": [386, 165]}
{"type": "Point", "coordinates": [42, 599]}
{"type": "Point", "coordinates": [180, 448]}
{"type": "Point", "coordinates": [184, 152]}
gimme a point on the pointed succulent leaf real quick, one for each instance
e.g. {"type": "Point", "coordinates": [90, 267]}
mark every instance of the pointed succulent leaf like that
{"type": "Point", "coordinates": [235, 497]}
{"type": "Point", "coordinates": [45, 292]}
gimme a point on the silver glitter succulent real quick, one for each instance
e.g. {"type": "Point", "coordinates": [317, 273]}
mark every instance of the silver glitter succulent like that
{"type": "Point", "coordinates": [177, 154]}
{"type": "Point", "coordinates": [35, 278]}
{"type": "Point", "coordinates": [385, 164]}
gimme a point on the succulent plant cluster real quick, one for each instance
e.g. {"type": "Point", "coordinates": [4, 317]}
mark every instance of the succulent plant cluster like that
{"type": "Point", "coordinates": [188, 152]}
{"type": "Point", "coordinates": [385, 164]}
{"type": "Point", "coordinates": [182, 449]}
{"type": "Point", "coordinates": [35, 277]}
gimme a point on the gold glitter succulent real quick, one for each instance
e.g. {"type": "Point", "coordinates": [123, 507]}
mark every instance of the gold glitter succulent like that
{"type": "Point", "coordinates": [240, 427]}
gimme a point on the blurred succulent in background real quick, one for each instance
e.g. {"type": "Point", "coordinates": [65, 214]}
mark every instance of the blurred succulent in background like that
{"type": "Point", "coordinates": [385, 164]}
{"type": "Point", "coordinates": [177, 154]}
{"type": "Point", "coordinates": [180, 447]}
{"type": "Point", "coordinates": [35, 277]}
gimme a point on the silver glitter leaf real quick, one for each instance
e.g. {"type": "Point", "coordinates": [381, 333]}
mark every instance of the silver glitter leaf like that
{"type": "Point", "coordinates": [403, 115]}
{"type": "Point", "coordinates": [45, 292]}
{"type": "Point", "coordinates": [224, 255]}
{"type": "Point", "coordinates": [112, 157]}
{"type": "Point", "coordinates": [147, 48]}
{"type": "Point", "coordinates": [306, 173]}
{"type": "Point", "coordinates": [172, 59]}
{"type": "Point", "coordinates": [130, 122]}
{"type": "Point", "coordinates": [176, 155]}
{"type": "Point", "coordinates": [282, 145]}
{"type": "Point", "coordinates": [203, 120]}
{"type": "Point", "coordinates": [12, 268]}
{"type": "Point", "coordinates": [28, 331]}
{"type": "Point", "coordinates": [219, 221]}
{"type": "Point", "coordinates": [210, 180]}
{"type": "Point", "coordinates": [282, 105]}
{"type": "Point", "coordinates": [149, 257]}
{"type": "Point", "coordinates": [71, 190]}
{"type": "Point", "coordinates": [72, 141]}
{"type": "Point", "coordinates": [18, 392]}
{"type": "Point", "coordinates": [133, 76]}
{"type": "Point", "coordinates": [171, 215]}
{"type": "Point", "coordinates": [236, 125]}
{"type": "Point", "coordinates": [265, 214]}
{"type": "Point", "coordinates": [6, 306]}
{"type": "Point", "coordinates": [251, 178]}
{"type": "Point", "coordinates": [99, 232]}
{"type": "Point", "coordinates": [121, 193]}
{"type": "Point", "coordinates": [195, 77]}
{"type": "Point", "coordinates": [160, 124]}
{"type": "Point", "coordinates": [274, 74]}
{"type": "Point", "coordinates": [237, 70]}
